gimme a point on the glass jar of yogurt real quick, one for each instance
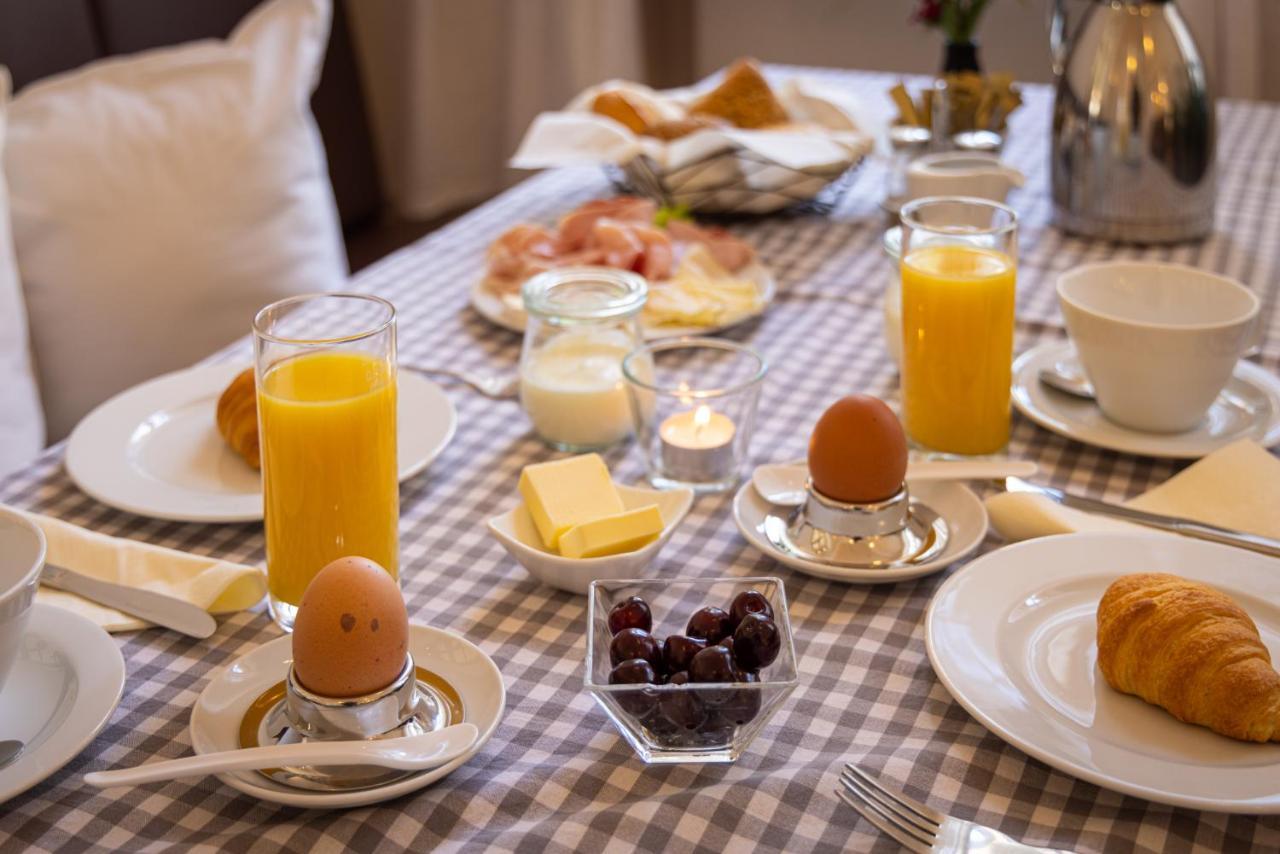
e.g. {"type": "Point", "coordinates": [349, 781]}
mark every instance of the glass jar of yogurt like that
{"type": "Point", "coordinates": [582, 321]}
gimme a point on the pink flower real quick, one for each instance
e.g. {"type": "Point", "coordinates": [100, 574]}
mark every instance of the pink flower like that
{"type": "Point", "coordinates": [929, 12]}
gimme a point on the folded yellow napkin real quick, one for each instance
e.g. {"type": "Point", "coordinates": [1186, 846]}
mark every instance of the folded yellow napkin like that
{"type": "Point", "coordinates": [1237, 486]}
{"type": "Point", "coordinates": [218, 586]}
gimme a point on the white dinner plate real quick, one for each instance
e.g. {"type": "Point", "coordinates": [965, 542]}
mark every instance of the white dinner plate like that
{"type": "Point", "coordinates": [965, 514]}
{"type": "Point", "coordinates": [508, 311]}
{"type": "Point", "coordinates": [1249, 409]}
{"type": "Point", "coordinates": [215, 720]}
{"type": "Point", "coordinates": [155, 449]}
{"type": "Point", "coordinates": [1013, 638]}
{"type": "Point", "coordinates": [60, 694]}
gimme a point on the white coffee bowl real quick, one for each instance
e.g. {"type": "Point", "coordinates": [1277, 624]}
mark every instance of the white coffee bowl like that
{"type": "Point", "coordinates": [518, 535]}
{"type": "Point", "coordinates": [1158, 341]}
{"type": "Point", "coordinates": [22, 549]}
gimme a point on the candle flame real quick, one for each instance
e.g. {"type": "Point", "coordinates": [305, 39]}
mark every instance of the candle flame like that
{"type": "Point", "coordinates": [701, 417]}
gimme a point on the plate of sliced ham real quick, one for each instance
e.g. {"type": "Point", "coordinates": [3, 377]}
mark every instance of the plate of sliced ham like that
{"type": "Point", "coordinates": [702, 279]}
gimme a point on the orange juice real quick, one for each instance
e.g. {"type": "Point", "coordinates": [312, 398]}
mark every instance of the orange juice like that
{"type": "Point", "coordinates": [957, 325]}
{"type": "Point", "coordinates": [328, 430]}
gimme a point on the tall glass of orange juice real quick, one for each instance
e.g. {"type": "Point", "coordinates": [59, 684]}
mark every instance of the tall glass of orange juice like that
{"type": "Point", "coordinates": [326, 377]}
{"type": "Point", "coordinates": [959, 267]}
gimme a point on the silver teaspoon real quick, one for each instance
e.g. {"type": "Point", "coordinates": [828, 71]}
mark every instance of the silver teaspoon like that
{"type": "Point", "coordinates": [414, 753]}
{"type": "Point", "coordinates": [10, 749]}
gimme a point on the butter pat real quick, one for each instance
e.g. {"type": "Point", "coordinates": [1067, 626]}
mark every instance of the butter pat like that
{"type": "Point", "coordinates": [564, 493]}
{"type": "Point", "coordinates": [611, 535]}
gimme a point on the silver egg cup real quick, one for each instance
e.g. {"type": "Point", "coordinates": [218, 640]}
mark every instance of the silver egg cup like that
{"type": "Point", "coordinates": [886, 534]}
{"type": "Point", "coordinates": [405, 707]}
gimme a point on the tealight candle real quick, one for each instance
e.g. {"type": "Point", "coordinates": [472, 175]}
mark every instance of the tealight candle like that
{"type": "Point", "coordinates": [697, 445]}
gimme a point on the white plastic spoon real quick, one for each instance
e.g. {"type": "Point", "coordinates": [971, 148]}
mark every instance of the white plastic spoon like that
{"type": "Point", "coordinates": [412, 753]}
{"type": "Point", "coordinates": [783, 483]}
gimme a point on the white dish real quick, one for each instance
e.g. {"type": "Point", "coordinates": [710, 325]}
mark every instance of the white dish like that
{"type": "Point", "coordinates": [155, 449]}
{"type": "Point", "coordinates": [964, 512]}
{"type": "Point", "coordinates": [221, 706]}
{"type": "Point", "coordinates": [1012, 637]}
{"type": "Point", "coordinates": [60, 694]}
{"type": "Point", "coordinates": [1076, 418]}
{"type": "Point", "coordinates": [508, 312]}
{"type": "Point", "coordinates": [516, 531]}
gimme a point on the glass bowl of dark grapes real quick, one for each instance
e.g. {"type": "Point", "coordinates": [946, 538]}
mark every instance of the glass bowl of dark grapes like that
{"type": "Point", "coordinates": [689, 670]}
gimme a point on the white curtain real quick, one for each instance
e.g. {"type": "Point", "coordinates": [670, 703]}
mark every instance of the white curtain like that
{"type": "Point", "coordinates": [1238, 38]}
{"type": "Point", "coordinates": [452, 85]}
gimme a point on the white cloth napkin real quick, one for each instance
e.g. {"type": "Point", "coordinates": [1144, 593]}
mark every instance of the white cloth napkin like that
{"type": "Point", "coordinates": [218, 586]}
{"type": "Point", "coordinates": [1234, 487]}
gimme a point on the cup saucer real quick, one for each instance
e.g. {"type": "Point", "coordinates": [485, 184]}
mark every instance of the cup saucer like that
{"type": "Point", "coordinates": [963, 511]}
{"type": "Point", "coordinates": [61, 692]}
{"type": "Point", "coordinates": [1250, 410]}
{"type": "Point", "coordinates": [233, 692]}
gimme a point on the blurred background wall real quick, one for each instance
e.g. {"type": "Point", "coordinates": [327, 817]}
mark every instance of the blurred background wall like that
{"type": "Point", "coordinates": [452, 85]}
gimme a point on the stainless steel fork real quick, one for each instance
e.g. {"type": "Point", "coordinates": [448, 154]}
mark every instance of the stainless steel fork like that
{"type": "Point", "coordinates": [916, 826]}
{"type": "Point", "coordinates": [496, 387]}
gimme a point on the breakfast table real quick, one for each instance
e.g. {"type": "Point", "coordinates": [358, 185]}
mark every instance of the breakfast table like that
{"type": "Point", "coordinates": [556, 775]}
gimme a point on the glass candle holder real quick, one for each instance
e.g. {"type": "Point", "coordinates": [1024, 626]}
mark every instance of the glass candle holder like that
{"type": "Point", "coordinates": [694, 403]}
{"type": "Point", "coordinates": [582, 321]}
{"type": "Point", "coordinates": [326, 385]}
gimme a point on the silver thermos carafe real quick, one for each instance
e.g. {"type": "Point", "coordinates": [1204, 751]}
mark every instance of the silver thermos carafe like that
{"type": "Point", "coordinates": [1133, 124]}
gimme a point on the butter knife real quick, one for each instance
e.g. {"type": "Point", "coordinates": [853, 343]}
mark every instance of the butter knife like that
{"type": "Point", "coordinates": [145, 604]}
{"type": "Point", "coordinates": [1173, 524]}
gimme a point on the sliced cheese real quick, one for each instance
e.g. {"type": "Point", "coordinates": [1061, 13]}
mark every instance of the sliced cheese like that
{"type": "Point", "coordinates": [564, 493]}
{"type": "Point", "coordinates": [611, 535]}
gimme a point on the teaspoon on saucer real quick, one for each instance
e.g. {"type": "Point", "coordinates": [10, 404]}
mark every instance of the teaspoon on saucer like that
{"type": "Point", "coordinates": [10, 749]}
{"type": "Point", "coordinates": [783, 484]}
{"type": "Point", "coordinates": [1065, 375]}
{"type": "Point", "coordinates": [411, 753]}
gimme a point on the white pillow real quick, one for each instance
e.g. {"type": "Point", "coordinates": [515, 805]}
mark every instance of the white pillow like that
{"type": "Point", "coordinates": [21, 421]}
{"type": "Point", "coordinates": [160, 199]}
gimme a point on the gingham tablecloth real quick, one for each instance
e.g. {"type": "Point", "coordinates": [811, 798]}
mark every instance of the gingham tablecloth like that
{"type": "Point", "coordinates": [556, 776]}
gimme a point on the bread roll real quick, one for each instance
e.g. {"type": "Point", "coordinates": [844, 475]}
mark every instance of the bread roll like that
{"type": "Point", "coordinates": [743, 98]}
{"type": "Point", "coordinates": [1192, 650]}
{"type": "Point", "coordinates": [238, 417]}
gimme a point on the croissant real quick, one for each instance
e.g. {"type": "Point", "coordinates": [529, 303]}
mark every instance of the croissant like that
{"type": "Point", "coordinates": [1192, 650]}
{"type": "Point", "coordinates": [238, 417]}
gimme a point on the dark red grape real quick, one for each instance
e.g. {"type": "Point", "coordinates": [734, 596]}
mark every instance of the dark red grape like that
{"type": "Point", "coordinates": [685, 709]}
{"type": "Point", "coordinates": [756, 642]}
{"type": "Point", "coordinates": [710, 623]}
{"type": "Point", "coordinates": [631, 613]}
{"type": "Point", "coordinates": [635, 671]}
{"type": "Point", "coordinates": [741, 707]}
{"type": "Point", "coordinates": [713, 664]}
{"type": "Point", "coordinates": [678, 651]}
{"type": "Point", "coordinates": [748, 602]}
{"type": "Point", "coordinates": [635, 643]}
{"type": "Point", "coordinates": [727, 643]}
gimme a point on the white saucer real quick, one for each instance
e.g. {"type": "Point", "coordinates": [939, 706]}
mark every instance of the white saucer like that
{"type": "Point", "coordinates": [964, 512]}
{"type": "Point", "coordinates": [1013, 638]}
{"type": "Point", "coordinates": [155, 449]}
{"type": "Point", "coordinates": [60, 694]}
{"type": "Point", "coordinates": [1083, 421]}
{"type": "Point", "coordinates": [215, 720]}
{"type": "Point", "coordinates": [508, 311]}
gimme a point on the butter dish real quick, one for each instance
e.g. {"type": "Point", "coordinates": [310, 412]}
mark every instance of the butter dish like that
{"type": "Point", "coordinates": [517, 533]}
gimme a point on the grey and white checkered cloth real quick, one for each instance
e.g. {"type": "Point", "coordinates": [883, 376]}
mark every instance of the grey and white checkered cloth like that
{"type": "Point", "coordinates": [556, 776]}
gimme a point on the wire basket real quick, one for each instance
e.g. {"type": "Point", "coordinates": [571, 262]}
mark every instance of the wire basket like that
{"type": "Point", "coordinates": [736, 181]}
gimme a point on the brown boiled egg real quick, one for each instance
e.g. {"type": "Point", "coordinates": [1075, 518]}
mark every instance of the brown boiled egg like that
{"type": "Point", "coordinates": [858, 452]}
{"type": "Point", "coordinates": [351, 634]}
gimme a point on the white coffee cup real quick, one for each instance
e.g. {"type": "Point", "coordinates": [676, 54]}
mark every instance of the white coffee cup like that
{"type": "Point", "coordinates": [1158, 341]}
{"type": "Point", "coordinates": [22, 550]}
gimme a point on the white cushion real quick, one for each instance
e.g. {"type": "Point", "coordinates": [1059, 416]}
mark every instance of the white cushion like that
{"type": "Point", "coordinates": [21, 421]}
{"type": "Point", "coordinates": [160, 199]}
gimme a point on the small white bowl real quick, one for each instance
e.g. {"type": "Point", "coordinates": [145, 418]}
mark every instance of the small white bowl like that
{"type": "Point", "coordinates": [518, 535]}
